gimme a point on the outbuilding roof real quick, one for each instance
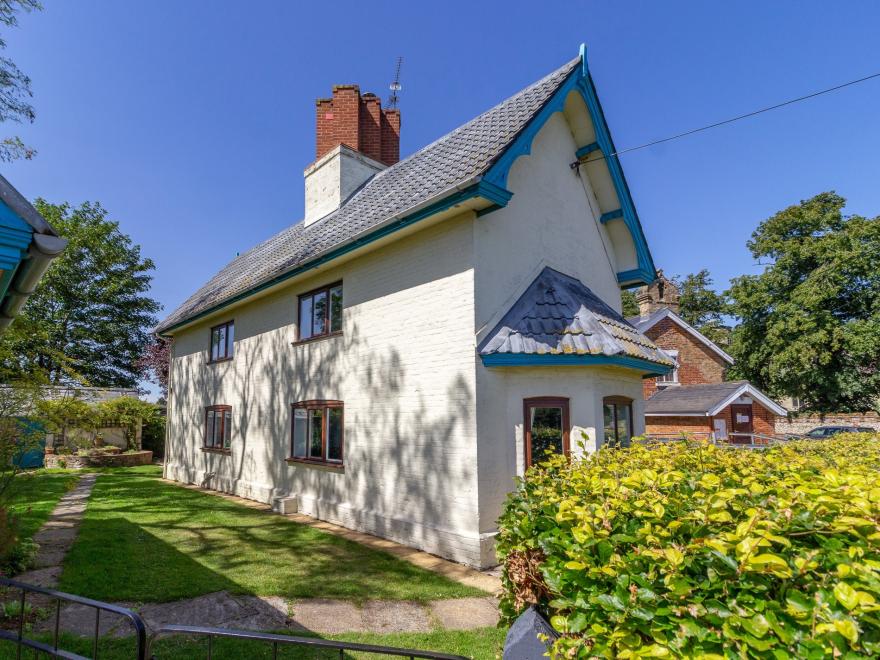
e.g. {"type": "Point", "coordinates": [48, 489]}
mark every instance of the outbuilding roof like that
{"type": "Point", "coordinates": [560, 315]}
{"type": "Point", "coordinates": [705, 400]}
{"type": "Point", "coordinates": [645, 323]}
{"type": "Point", "coordinates": [439, 168]}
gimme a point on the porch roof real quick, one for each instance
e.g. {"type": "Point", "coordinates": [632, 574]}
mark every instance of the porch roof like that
{"type": "Point", "coordinates": [705, 400]}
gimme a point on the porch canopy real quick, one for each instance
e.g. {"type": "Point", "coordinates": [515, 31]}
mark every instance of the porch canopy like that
{"type": "Point", "coordinates": [559, 321]}
{"type": "Point", "coordinates": [705, 400]}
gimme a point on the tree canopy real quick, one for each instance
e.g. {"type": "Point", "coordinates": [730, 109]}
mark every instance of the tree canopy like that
{"type": "Point", "coordinates": [810, 323]}
{"type": "Point", "coordinates": [15, 86]}
{"type": "Point", "coordinates": [90, 317]}
{"type": "Point", "coordinates": [703, 307]}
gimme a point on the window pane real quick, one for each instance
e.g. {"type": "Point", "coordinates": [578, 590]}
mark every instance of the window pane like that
{"type": "Point", "coordinates": [609, 423]}
{"type": "Point", "coordinates": [209, 429]}
{"type": "Point", "coordinates": [300, 427]}
{"type": "Point", "coordinates": [316, 421]}
{"type": "Point", "coordinates": [227, 429]}
{"type": "Point", "coordinates": [215, 343]}
{"type": "Point", "coordinates": [546, 427]}
{"type": "Point", "coordinates": [624, 415]}
{"type": "Point", "coordinates": [230, 339]}
{"type": "Point", "coordinates": [305, 317]}
{"type": "Point", "coordinates": [319, 326]}
{"type": "Point", "coordinates": [218, 429]}
{"type": "Point", "coordinates": [334, 434]}
{"type": "Point", "coordinates": [336, 309]}
{"type": "Point", "coordinates": [221, 342]}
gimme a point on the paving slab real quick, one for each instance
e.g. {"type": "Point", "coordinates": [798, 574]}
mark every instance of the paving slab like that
{"type": "Point", "coordinates": [465, 613]}
{"type": "Point", "coordinates": [395, 616]}
{"type": "Point", "coordinates": [327, 616]}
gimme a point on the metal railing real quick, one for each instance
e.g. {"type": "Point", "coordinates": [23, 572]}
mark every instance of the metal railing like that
{"type": "Point", "coordinates": [52, 650]}
{"type": "Point", "coordinates": [733, 439]}
{"type": "Point", "coordinates": [276, 641]}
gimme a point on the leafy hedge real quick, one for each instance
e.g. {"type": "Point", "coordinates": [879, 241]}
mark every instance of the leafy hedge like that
{"type": "Point", "coordinates": [687, 549]}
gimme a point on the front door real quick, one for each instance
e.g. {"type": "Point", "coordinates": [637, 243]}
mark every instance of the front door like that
{"type": "Point", "coordinates": [741, 416]}
{"type": "Point", "coordinates": [545, 427]}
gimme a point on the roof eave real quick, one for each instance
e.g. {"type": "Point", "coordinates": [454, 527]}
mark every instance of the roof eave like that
{"type": "Point", "coordinates": [645, 367]}
{"type": "Point", "coordinates": [472, 188]}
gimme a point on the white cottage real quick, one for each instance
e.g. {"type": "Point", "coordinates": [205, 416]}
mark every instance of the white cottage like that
{"type": "Point", "coordinates": [391, 362]}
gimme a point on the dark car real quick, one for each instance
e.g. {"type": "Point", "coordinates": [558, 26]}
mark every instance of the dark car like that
{"type": "Point", "coordinates": [827, 431]}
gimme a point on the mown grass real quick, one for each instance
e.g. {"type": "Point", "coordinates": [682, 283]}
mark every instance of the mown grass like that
{"type": "Point", "coordinates": [34, 496]}
{"type": "Point", "coordinates": [481, 644]}
{"type": "Point", "coordinates": [145, 540]}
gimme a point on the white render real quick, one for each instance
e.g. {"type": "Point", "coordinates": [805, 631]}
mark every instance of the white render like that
{"type": "Point", "coordinates": [433, 439]}
{"type": "Point", "coordinates": [332, 179]}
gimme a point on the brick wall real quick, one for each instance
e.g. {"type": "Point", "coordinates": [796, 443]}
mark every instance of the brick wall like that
{"type": "Point", "coordinates": [804, 423]}
{"type": "Point", "coordinates": [699, 364]}
{"type": "Point", "coordinates": [675, 425]}
{"type": "Point", "coordinates": [359, 122]}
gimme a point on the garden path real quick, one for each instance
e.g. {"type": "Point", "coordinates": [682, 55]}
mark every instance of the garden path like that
{"type": "Point", "coordinates": [223, 609]}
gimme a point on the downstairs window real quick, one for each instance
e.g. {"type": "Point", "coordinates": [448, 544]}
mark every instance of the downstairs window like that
{"type": "Point", "coordinates": [317, 434]}
{"type": "Point", "coordinates": [618, 420]}
{"type": "Point", "coordinates": [218, 428]}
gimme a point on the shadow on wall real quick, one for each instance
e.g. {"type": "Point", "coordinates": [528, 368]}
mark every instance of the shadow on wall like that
{"type": "Point", "coordinates": [410, 452]}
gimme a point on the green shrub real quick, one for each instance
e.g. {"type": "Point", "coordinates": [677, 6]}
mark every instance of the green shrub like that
{"type": "Point", "coordinates": [687, 549]}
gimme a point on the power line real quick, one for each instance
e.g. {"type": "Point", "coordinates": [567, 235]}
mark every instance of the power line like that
{"type": "Point", "coordinates": [739, 117]}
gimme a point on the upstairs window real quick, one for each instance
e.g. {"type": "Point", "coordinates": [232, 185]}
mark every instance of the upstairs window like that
{"type": "Point", "coordinates": [222, 341]}
{"type": "Point", "coordinates": [670, 378]}
{"type": "Point", "coordinates": [218, 428]}
{"type": "Point", "coordinates": [618, 420]}
{"type": "Point", "coordinates": [317, 432]}
{"type": "Point", "coordinates": [320, 312]}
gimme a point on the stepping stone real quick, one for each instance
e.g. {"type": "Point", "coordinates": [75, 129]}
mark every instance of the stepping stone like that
{"type": "Point", "coordinates": [327, 616]}
{"type": "Point", "coordinates": [465, 613]}
{"type": "Point", "coordinates": [395, 616]}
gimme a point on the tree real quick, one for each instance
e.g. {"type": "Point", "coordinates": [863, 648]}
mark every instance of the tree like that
{"type": "Point", "coordinates": [810, 323]}
{"type": "Point", "coordinates": [15, 86]}
{"type": "Point", "coordinates": [702, 307]}
{"type": "Point", "coordinates": [90, 317]}
{"type": "Point", "coordinates": [628, 301]}
{"type": "Point", "coordinates": [154, 362]}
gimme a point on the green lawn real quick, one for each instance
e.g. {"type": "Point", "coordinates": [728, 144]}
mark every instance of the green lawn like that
{"type": "Point", "coordinates": [482, 644]}
{"type": "Point", "coordinates": [35, 494]}
{"type": "Point", "coordinates": [145, 540]}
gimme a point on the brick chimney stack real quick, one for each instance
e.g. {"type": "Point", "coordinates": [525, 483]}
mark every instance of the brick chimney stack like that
{"type": "Point", "coordinates": [354, 139]}
{"type": "Point", "coordinates": [663, 292]}
{"type": "Point", "coordinates": [359, 122]}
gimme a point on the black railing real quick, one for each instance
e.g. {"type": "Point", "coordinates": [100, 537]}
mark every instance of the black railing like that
{"type": "Point", "coordinates": [276, 641]}
{"type": "Point", "coordinates": [53, 650]}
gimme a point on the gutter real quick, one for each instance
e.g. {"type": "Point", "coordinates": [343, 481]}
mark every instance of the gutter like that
{"type": "Point", "coordinates": [43, 249]}
{"type": "Point", "coordinates": [406, 217]}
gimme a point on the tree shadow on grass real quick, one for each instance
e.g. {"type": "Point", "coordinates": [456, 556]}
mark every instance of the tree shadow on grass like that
{"type": "Point", "coordinates": [145, 540]}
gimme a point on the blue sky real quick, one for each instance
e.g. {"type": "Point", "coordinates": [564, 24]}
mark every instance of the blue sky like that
{"type": "Point", "coordinates": [191, 122]}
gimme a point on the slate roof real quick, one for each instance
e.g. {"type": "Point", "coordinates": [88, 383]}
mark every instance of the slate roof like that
{"type": "Point", "coordinates": [438, 168]}
{"type": "Point", "coordinates": [691, 399]}
{"type": "Point", "coordinates": [558, 314]}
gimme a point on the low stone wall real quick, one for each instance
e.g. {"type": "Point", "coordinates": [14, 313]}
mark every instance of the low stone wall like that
{"type": "Point", "coordinates": [804, 423]}
{"type": "Point", "coordinates": [73, 461]}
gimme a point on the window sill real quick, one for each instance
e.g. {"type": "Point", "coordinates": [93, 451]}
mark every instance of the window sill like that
{"type": "Point", "coordinates": [329, 465]}
{"type": "Point", "coordinates": [330, 335]}
{"type": "Point", "coordinates": [217, 450]}
{"type": "Point", "coordinates": [229, 359]}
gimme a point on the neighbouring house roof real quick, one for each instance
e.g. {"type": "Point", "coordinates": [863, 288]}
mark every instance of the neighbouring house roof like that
{"type": "Point", "coordinates": [560, 318]}
{"type": "Point", "coordinates": [28, 244]}
{"type": "Point", "coordinates": [470, 162]}
{"type": "Point", "coordinates": [705, 400]}
{"type": "Point", "coordinates": [645, 323]}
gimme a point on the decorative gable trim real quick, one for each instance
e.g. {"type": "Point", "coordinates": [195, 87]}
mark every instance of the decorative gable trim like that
{"type": "Point", "coordinates": [581, 81]}
{"type": "Point", "coordinates": [755, 393]}
{"type": "Point", "coordinates": [667, 313]}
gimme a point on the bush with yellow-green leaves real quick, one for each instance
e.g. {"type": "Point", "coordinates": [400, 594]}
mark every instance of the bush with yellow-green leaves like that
{"type": "Point", "coordinates": [687, 549]}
